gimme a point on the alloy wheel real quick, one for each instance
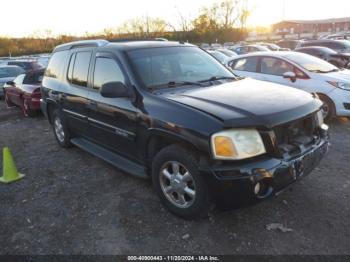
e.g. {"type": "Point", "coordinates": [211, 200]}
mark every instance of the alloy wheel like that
{"type": "Point", "coordinates": [59, 129]}
{"type": "Point", "coordinates": [177, 184]}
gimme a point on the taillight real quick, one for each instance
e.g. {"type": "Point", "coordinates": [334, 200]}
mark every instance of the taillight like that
{"type": "Point", "coordinates": [36, 93]}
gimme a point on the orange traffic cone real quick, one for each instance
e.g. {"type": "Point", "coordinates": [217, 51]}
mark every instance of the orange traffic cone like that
{"type": "Point", "coordinates": [9, 170]}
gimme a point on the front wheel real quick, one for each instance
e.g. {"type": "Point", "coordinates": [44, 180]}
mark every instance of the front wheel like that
{"type": "Point", "coordinates": [179, 184]}
{"type": "Point", "coordinates": [328, 108]}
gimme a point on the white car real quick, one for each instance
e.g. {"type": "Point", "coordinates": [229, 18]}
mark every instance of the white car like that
{"type": "Point", "coordinates": [301, 71]}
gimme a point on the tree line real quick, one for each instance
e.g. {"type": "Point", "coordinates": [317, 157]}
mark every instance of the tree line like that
{"type": "Point", "coordinates": [224, 21]}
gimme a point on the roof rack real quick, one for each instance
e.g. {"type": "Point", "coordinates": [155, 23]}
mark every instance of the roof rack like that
{"type": "Point", "coordinates": [116, 40]}
{"type": "Point", "coordinates": [82, 43]}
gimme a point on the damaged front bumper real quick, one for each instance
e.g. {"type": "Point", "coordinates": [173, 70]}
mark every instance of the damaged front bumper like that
{"type": "Point", "coordinates": [263, 177]}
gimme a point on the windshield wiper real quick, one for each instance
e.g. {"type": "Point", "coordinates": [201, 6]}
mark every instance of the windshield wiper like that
{"type": "Point", "coordinates": [214, 78]}
{"type": "Point", "coordinates": [173, 84]}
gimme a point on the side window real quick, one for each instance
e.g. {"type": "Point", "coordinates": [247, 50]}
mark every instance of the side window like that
{"type": "Point", "coordinates": [107, 70]}
{"type": "Point", "coordinates": [81, 68]}
{"type": "Point", "coordinates": [70, 67]}
{"type": "Point", "coordinates": [55, 64]}
{"type": "Point", "coordinates": [275, 66]}
{"type": "Point", "coordinates": [248, 64]}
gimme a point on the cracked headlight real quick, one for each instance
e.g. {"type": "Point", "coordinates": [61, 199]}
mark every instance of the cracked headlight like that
{"type": "Point", "coordinates": [236, 144]}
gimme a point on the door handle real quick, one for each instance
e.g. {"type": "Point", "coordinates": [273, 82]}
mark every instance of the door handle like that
{"type": "Point", "coordinates": [91, 104]}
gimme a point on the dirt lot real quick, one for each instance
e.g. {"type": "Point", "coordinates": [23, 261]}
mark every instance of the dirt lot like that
{"type": "Point", "coordinates": [73, 203]}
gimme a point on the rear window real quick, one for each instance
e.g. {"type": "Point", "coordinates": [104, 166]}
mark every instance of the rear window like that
{"type": "Point", "coordinates": [56, 63]}
{"type": "Point", "coordinates": [32, 79]}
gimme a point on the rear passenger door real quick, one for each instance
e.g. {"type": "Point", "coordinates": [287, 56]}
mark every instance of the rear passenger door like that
{"type": "Point", "coordinates": [75, 90]}
{"type": "Point", "coordinates": [112, 121]}
{"type": "Point", "coordinates": [245, 67]}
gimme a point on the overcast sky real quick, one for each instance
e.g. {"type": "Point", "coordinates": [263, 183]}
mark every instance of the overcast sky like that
{"type": "Point", "coordinates": [23, 17]}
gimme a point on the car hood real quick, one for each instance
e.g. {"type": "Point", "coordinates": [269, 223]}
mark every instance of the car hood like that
{"type": "Point", "coordinates": [340, 76]}
{"type": "Point", "coordinates": [247, 102]}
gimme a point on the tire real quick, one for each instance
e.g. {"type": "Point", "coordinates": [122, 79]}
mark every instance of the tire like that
{"type": "Point", "coordinates": [60, 129]}
{"type": "Point", "coordinates": [7, 100]}
{"type": "Point", "coordinates": [27, 112]}
{"type": "Point", "coordinates": [328, 108]}
{"type": "Point", "coordinates": [188, 196]}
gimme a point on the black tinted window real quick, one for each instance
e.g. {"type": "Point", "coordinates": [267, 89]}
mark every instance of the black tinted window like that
{"type": "Point", "coordinates": [81, 68]}
{"type": "Point", "coordinates": [55, 65]}
{"type": "Point", "coordinates": [33, 78]}
{"type": "Point", "coordinates": [248, 64]}
{"type": "Point", "coordinates": [107, 70]}
{"type": "Point", "coordinates": [70, 68]}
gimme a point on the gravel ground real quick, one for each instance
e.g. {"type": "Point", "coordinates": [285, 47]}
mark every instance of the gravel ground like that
{"type": "Point", "coordinates": [73, 203]}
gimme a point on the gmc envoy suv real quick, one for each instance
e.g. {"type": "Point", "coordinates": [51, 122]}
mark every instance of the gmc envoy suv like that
{"type": "Point", "coordinates": [171, 112]}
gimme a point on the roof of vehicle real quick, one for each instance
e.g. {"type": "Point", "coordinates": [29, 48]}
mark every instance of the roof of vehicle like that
{"type": "Point", "coordinates": [315, 48]}
{"type": "Point", "coordinates": [121, 45]}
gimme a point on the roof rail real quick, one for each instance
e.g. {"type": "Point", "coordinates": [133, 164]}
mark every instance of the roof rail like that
{"type": "Point", "coordinates": [82, 43]}
{"type": "Point", "coordinates": [116, 40]}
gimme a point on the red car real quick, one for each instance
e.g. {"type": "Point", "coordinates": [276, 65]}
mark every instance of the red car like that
{"type": "Point", "coordinates": [24, 91]}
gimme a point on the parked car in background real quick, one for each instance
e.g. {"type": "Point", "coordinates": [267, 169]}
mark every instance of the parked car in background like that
{"type": "Point", "coordinates": [246, 49]}
{"type": "Point", "coordinates": [215, 46]}
{"type": "Point", "coordinates": [227, 52]}
{"type": "Point", "coordinates": [8, 73]}
{"type": "Point", "coordinates": [273, 47]}
{"type": "Point", "coordinates": [201, 135]}
{"type": "Point", "coordinates": [205, 46]}
{"type": "Point", "coordinates": [219, 56]}
{"type": "Point", "coordinates": [327, 54]}
{"type": "Point", "coordinates": [340, 46]}
{"type": "Point", "coordinates": [24, 92]}
{"type": "Point", "coordinates": [228, 44]}
{"type": "Point", "coordinates": [290, 44]}
{"type": "Point", "coordinates": [43, 61]}
{"type": "Point", "coordinates": [338, 36]}
{"type": "Point", "coordinates": [301, 71]}
{"type": "Point", "coordinates": [27, 65]}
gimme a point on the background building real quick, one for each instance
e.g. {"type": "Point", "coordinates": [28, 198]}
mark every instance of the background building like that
{"type": "Point", "coordinates": [311, 28]}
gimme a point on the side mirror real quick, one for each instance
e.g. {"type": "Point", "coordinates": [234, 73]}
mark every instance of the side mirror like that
{"type": "Point", "coordinates": [291, 75]}
{"type": "Point", "coordinates": [10, 83]}
{"type": "Point", "coordinates": [114, 89]}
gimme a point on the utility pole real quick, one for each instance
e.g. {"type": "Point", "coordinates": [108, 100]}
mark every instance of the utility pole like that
{"type": "Point", "coordinates": [283, 10]}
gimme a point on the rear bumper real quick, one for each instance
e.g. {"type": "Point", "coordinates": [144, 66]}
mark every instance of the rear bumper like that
{"type": "Point", "coordinates": [238, 183]}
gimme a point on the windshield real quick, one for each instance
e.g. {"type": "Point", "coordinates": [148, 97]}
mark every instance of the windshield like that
{"type": "Point", "coordinates": [311, 63]}
{"type": "Point", "coordinates": [160, 66]}
{"type": "Point", "coordinates": [219, 56]}
{"type": "Point", "coordinates": [9, 71]}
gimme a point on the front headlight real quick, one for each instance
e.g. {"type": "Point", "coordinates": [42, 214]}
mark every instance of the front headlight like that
{"type": "Point", "coordinates": [237, 144]}
{"type": "Point", "coordinates": [319, 118]}
{"type": "Point", "coordinates": [342, 85]}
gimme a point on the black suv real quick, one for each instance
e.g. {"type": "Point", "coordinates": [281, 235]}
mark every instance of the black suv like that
{"type": "Point", "coordinates": [172, 112]}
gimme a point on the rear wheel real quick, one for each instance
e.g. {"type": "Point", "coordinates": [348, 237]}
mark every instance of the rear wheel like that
{"type": "Point", "coordinates": [26, 109]}
{"type": "Point", "coordinates": [179, 184]}
{"type": "Point", "coordinates": [328, 108]}
{"type": "Point", "coordinates": [60, 129]}
{"type": "Point", "coordinates": [8, 100]}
